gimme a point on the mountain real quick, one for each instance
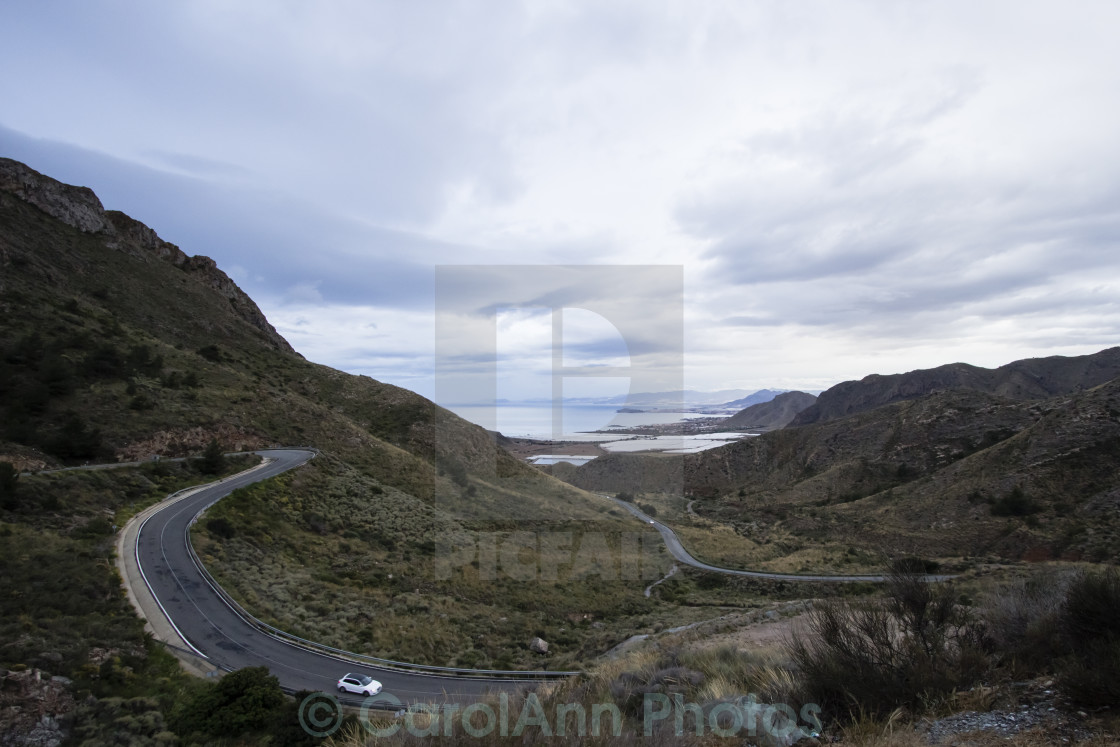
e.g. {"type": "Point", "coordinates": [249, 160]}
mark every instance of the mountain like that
{"type": "Point", "coordinates": [775, 413]}
{"type": "Point", "coordinates": [117, 345]}
{"type": "Point", "coordinates": [676, 398]}
{"type": "Point", "coordinates": [1034, 378]}
{"type": "Point", "coordinates": [956, 472]}
{"type": "Point", "coordinates": [757, 398]}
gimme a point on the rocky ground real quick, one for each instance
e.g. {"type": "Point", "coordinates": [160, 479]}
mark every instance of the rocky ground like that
{"type": "Point", "coordinates": [33, 707]}
{"type": "Point", "coordinates": [1024, 713]}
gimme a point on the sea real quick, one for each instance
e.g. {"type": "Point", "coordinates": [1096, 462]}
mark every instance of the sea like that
{"type": "Point", "coordinates": [529, 421]}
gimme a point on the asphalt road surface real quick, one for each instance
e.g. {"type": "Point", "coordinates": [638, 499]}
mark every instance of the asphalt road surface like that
{"type": "Point", "coordinates": [212, 628]}
{"type": "Point", "coordinates": [676, 549]}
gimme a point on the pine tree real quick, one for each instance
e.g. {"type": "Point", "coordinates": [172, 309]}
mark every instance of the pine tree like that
{"type": "Point", "coordinates": [213, 459]}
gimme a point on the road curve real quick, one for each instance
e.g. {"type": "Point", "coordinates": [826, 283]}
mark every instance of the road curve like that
{"type": "Point", "coordinates": [210, 626]}
{"type": "Point", "coordinates": [676, 549]}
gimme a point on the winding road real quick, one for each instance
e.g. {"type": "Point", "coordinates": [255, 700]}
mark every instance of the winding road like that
{"type": "Point", "coordinates": [209, 625]}
{"type": "Point", "coordinates": [676, 549]}
{"type": "Point", "coordinates": [185, 608]}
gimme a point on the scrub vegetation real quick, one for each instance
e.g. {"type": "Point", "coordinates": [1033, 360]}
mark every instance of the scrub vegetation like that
{"type": "Point", "coordinates": [331, 555]}
{"type": "Point", "coordinates": [64, 613]}
{"type": "Point", "coordinates": [866, 671]}
{"type": "Point", "coordinates": [115, 345]}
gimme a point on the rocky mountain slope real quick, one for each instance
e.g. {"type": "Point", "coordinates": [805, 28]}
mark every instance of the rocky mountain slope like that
{"type": "Point", "coordinates": [776, 413]}
{"type": "Point", "coordinates": [759, 397]}
{"type": "Point", "coordinates": [951, 473]}
{"type": "Point", "coordinates": [1035, 378]}
{"type": "Point", "coordinates": [117, 344]}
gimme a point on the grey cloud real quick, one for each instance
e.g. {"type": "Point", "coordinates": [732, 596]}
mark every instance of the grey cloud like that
{"type": "Point", "coordinates": [288, 243]}
{"type": "Point", "coordinates": [380, 129]}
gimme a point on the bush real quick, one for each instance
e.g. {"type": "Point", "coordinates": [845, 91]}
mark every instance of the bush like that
{"type": "Point", "coordinates": [1090, 619]}
{"type": "Point", "coordinates": [908, 650]}
{"type": "Point", "coordinates": [914, 564]}
{"type": "Point", "coordinates": [211, 353]}
{"type": "Point", "coordinates": [75, 439]}
{"type": "Point", "coordinates": [248, 700]}
{"type": "Point", "coordinates": [1015, 503]}
{"type": "Point", "coordinates": [1024, 622]}
{"type": "Point", "coordinates": [221, 527]}
{"type": "Point", "coordinates": [213, 459]}
{"type": "Point", "coordinates": [141, 402]}
{"type": "Point", "coordinates": [1092, 607]}
{"type": "Point", "coordinates": [133, 721]}
{"type": "Point", "coordinates": [9, 480]}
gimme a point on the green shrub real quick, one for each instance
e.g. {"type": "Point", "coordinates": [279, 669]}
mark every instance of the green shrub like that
{"type": "Point", "coordinates": [75, 439]}
{"type": "Point", "coordinates": [911, 564]}
{"type": "Point", "coordinates": [9, 481]}
{"type": "Point", "coordinates": [247, 700]}
{"type": "Point", "coordinates": [909, 650]}
{"type": "Point", "coordinates": [213, 460]}
{"type": "Point", "coordinates": [1090, 619]}
{"type": "Point", "coordinates": [1024, 622]}
{"type": "Point", "coordinates": [140, 403]}
{"type": "Point", "coordinates": [1092, 607]}
{"type": "Point", "coordinates": [1015, 503]}
{"type": "Point", "coordinates": [221, 527]}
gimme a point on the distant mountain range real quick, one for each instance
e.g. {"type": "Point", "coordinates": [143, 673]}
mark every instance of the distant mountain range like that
{"type": "Point", "coordinates": [722, 400]}
{"type": "Point", "coordinates": [774, 413]}
{"type": "Point", "coordinates": [958, 461]}
{"type": "Point", "coordinates": [1033, 378]}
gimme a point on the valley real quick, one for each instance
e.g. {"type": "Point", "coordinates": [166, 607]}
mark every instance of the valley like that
{"type": "Point", "coordinates": [984, 503]}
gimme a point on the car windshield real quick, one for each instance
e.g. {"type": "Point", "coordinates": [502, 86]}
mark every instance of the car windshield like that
{"type": "Point", "coordinates": [363, 680]}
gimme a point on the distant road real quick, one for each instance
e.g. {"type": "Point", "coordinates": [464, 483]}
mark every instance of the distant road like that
{"type": "Point", "coordinates": [209, 626]}
{"type": "Point", "coordinates": [676, 549]}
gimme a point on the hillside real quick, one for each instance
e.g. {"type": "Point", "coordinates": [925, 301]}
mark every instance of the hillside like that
{"type": "Point", "coordinates": [117, 345]}
{"type": "Point", "coordinates": [759, 397]}
{"type": "Point", "coordinates": [952, 474]}
{"type": "Point", "coordinates": [776, 413]}
{"type": "Point", "coordinates": [1034, 378]}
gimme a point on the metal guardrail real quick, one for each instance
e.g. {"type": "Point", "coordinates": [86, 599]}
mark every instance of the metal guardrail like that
{"type": "Point", "coordinates": [351, 656]}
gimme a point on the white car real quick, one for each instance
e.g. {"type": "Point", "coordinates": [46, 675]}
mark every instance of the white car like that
{"type": "Point", "coordinates": [360, 684]}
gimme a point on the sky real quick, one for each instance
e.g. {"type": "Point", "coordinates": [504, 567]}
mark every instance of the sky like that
{"type": "Point", "coordinates": [844, 187]}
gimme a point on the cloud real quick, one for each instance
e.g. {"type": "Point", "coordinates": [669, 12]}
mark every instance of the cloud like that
{"type": "Point", "coordinates": [848, 188]}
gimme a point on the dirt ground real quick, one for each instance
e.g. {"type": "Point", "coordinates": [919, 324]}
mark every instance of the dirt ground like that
{"type": "Point", "coordinates": [766, 633]}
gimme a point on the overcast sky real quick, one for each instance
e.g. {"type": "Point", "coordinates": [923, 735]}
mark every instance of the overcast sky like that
{"type": "Point", "coordinates": [849, 187]}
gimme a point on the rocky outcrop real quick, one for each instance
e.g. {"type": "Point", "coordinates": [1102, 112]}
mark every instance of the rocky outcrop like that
{"type": "Point", "coordinates": [777, 413]}
{"type": "Point", "coordinates": [191, 441]}
{"type": "Point", "coordinates": [33, 706]}
{"type": "Point", "coordinates": [80, 208]}
{"type": "Point", "coordinates": [1033, 378]}
{"type": "Point", "coordinates": [74, 206]}
{"type": "Point", "coordinates": [538, 646]}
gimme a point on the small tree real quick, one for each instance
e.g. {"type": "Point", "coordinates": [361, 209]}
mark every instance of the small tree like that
{"type": "Point", "coordinates": [213, 459]}
{"type": "Point", "coordinates": [246, 701]}
{"type": "Point", "coordinates": [75, 439]}
{"type": "Point", "coordinates": [9, 478]}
